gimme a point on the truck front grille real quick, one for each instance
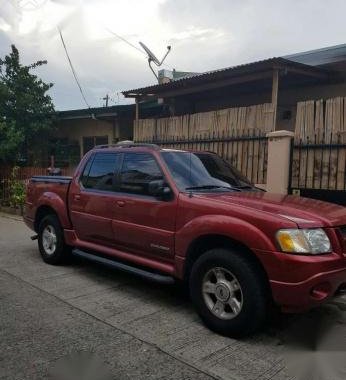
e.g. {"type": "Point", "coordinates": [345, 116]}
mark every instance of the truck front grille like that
{"type": "Point", "coordinates": [343, 235]}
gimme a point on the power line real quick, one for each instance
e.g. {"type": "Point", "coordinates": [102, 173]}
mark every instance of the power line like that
{"type": "Point", "coordinates": [126, 41]}
{"type": "Point", "coordinates": [73, 70]}
{"type": "Point", "coordinates": [132, 45]}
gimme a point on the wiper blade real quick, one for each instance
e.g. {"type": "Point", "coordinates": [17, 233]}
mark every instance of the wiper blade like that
{"type": "Point", "coordinates": [209, 187]}
{"type": "Point", "coordinates": [244, 187]}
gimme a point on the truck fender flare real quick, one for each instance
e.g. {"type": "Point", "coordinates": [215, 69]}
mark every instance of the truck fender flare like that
{"type": "Point", "coordinates": [52, 200]}
{"type": "Point", "coordinates": [233, 228]}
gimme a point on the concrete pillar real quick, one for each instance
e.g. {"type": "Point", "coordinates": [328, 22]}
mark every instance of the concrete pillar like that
{"type": "Point", "coordinates": [278, 167]}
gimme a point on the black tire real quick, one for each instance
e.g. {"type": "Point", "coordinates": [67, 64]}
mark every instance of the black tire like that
{"type": "Point", "coordinates": [57, 253]}
{"type": "Point", "coordinates": [252, 300]}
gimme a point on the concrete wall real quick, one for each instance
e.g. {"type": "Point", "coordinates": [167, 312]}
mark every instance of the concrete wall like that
{"type": "Point", "coordinates": [298, 94]}
{"type": "Point", "coordinates": [288, 99]}
{"type": "Point", "coordinates": [217, 100]}
{"type": "Point", "coordinates": [76, 129]}
{"type": "Point", "coordinates": [123, 129]}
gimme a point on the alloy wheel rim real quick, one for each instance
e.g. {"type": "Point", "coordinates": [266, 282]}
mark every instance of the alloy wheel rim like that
{"type": "Point", "coordinates": [49, 239]}
{"type": "Point", "coordinates": [222, 293]}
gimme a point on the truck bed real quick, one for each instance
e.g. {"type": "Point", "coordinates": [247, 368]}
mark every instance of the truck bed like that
{"type": "Point", "coordinates": [48, 190]}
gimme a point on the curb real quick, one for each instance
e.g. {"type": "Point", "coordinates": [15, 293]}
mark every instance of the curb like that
{"type": "Point", "coordinates": [11, 216]}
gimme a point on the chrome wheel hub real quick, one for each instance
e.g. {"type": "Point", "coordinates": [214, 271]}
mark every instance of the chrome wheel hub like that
{"type": "Point", "coordinates": [49, 239]}
{"type": "Point", "coordinates": [222, 293]}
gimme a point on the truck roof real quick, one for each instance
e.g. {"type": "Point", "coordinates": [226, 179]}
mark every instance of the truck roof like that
{"type": "Point", "coordinates": [131, 144]}
{"type": "Point", "coordinates": [127, 144]}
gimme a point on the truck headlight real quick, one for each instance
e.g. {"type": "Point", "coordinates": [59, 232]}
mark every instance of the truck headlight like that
{"type": "Point", "coordinates": [313, 241]}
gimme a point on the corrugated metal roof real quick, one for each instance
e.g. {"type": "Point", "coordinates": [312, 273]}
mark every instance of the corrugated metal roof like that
{"type": "Point", "coordinates": [96, 111]}
{"type": "Point", "coordinates": [319, 57]}
{"type": "Point", "coordinates": [210, 76]}
{"type": "Point", "coordinates": [105, 112]}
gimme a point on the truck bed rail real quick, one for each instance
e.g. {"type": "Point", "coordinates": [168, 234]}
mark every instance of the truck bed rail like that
{"type": "Point", "coordinates": [51, 179]}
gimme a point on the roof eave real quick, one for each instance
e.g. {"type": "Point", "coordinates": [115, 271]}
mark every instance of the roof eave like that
{"type": "Point", "coordinates": [226, 76]}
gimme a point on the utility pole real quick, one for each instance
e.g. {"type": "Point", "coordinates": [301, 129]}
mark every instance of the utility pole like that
{"type": "Point", "coordinates": [106, 98]}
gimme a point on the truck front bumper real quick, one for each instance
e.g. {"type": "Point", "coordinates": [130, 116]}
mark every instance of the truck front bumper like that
{"type": "Point", "coordinates": [301, 296]}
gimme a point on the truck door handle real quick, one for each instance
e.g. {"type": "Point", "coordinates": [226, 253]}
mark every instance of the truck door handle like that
{"type": "Point", "coordinates": [76, 197]}
{"type": "Point", "coordinates": [121, 203]}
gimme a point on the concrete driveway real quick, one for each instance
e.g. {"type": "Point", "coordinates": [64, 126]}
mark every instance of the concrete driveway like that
{"type": "Point", "coordinates": [131, 328]}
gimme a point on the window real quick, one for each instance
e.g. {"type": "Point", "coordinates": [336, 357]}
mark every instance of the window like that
{"type": "Point", "coordinates": [221, 169]}
{"type": "Point", "coordinates": [203, 169]}
{"type": "Point", "coordinates": [99, 175]}
{"type": "Point", "coordinates": [187, 170]}
{"type": "Point", "coordinates": [137, 171]}
{"type": "Point", "coordinates": [91, 141]}
{"type": "Point", "coordinates": [84, 177]}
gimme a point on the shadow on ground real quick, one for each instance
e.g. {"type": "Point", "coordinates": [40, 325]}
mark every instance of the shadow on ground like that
{"type": "Point", "coordinates": [312, 345]}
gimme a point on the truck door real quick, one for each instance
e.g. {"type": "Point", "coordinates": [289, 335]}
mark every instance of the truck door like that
{"type": "Point", "coordinates": [91, 199]}
{"type": "Point", "coordinates": [143, 224]}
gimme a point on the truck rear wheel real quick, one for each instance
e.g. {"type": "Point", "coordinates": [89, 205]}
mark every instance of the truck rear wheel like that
{"type": "Point", "coordinates": [229, 293]}
{"type": "Point", "coordinates": [51, 241]}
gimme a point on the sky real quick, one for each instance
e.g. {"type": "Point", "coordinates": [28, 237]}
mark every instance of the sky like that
{"type": "Point", "coordinates": [204, 35]}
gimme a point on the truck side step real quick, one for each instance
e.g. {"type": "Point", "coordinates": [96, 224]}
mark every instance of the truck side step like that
{"type": "Point", "coordinates": [161, 278]}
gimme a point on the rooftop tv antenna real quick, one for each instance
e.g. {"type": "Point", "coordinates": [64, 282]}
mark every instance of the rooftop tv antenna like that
{"type": "Point", "coordinates": [152, 57]}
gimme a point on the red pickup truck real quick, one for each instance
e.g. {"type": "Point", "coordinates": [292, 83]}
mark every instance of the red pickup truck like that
{"type": "Point", "coordinates": [178, 215]}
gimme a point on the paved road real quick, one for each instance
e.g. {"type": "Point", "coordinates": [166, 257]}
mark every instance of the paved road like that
{"type": "Point", "coordinates": [134, 329]}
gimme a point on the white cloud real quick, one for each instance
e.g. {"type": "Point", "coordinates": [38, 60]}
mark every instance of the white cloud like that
{"type": "Point", "coordinates": [4, 26]}
{"type": "Point", "coordinates": [193, 32]}
{"type": "Point", "coordinates": [204, 35]}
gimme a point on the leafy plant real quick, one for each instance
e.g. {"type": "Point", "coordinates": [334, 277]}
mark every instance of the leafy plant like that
{"type": "Point", "coordinates": [10, 140]}
{"type": "Point", "coordinates": [26, 110]}
{"type": "Point", "coordinates": [17, 189]}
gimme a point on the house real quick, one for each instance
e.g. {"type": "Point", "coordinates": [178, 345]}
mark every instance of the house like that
{"type": "Point", "coordinates": [231, 110]}
{"type": "Point", "coordinates": [285, 81]}
{"type": "Point", "coordinates": [79, 130]}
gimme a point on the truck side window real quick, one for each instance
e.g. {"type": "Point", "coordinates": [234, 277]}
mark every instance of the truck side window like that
{"type": "Point", "coordinates": [101, 174]}
{"type": "Point", "coordinates": [137, 171]}
{"type": "Point", "coordinates": [84, 177]}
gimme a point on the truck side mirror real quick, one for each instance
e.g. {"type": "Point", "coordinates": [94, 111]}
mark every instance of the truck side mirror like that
{"type": "Point", "coordinates": [160, 190]}
{"type": "Point", "coordinates": [165, 193]}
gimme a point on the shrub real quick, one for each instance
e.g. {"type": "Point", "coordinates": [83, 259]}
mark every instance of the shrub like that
{"type": "Point", "coordinates": [17, 189]}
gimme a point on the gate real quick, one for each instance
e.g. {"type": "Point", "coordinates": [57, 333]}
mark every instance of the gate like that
{"type": "Point", "coordinates": [318, 169]}
{"type": "Point", "coordinates": [246, 153]}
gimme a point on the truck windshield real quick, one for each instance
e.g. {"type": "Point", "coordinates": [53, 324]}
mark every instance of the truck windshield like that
{"type": "Point", "coordinates": [190, 173]}
{"type": "Point", "coordinates": [221, 169]}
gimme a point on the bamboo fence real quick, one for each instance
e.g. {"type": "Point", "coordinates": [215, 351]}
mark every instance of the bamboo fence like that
{"type": "Point", "coordinates": [228, 122]}
{"type": "Point", "coordinates": [236, 134]}
{"type": "Point", "coordinates": [319, 156]}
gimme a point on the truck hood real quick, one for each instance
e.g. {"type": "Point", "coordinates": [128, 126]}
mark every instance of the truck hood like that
{"type": "Point", "coordinates": [305, 212]}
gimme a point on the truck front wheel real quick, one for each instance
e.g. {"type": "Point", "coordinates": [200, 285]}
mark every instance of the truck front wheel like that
{"type": "Point", "coordinates": [229, 292]}
{"type": "Point", "coordinates": [51, 241]}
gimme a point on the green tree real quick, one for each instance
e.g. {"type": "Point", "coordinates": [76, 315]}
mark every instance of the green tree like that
{"type": "Point", "coordinates": [26, 110]}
